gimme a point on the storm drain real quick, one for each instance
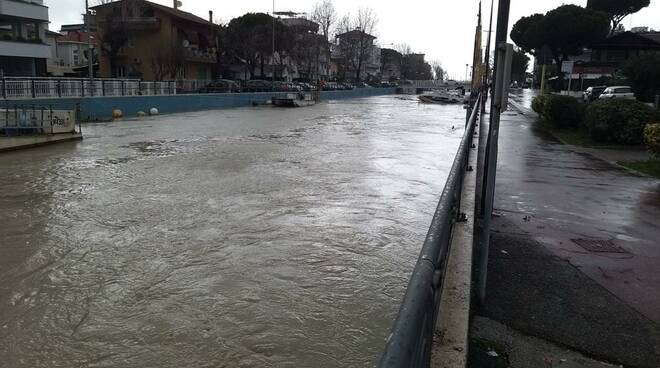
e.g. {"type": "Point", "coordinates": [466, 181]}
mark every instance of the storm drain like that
{"type": "Point", "coordinates": [599, 245]}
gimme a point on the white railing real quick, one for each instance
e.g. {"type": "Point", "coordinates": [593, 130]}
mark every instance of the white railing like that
{"type": "Point", "coordinates": [31, 88]}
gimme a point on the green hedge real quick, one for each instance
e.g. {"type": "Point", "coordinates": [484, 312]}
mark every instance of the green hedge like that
{"type": "Point", "coordinates": [562, 111]}
{"type": "Point", "coordinates": [619, 121]}
{"type": "Point", "coordinates": [652, 139]}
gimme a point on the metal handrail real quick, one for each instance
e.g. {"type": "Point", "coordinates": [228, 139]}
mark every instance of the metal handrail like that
{"type": "Point", "coordinates": [409, 344]}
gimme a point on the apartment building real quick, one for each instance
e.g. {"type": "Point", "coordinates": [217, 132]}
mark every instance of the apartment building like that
{"type": "Point", "coordinates": [23, 51]}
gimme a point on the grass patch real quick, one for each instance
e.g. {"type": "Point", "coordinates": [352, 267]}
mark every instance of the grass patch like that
{"type": "Point", "coordinates": [649, 167]}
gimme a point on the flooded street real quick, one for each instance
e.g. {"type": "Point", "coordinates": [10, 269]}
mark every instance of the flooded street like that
{"type": "Point", "coordinates": [250, 237]}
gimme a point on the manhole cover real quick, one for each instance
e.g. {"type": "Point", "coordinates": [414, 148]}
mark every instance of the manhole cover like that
{"type": "Point", "coordinates": [599, 245]}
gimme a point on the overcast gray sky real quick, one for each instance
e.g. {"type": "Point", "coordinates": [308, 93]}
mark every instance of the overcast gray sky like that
{"type": "Point", "coordinates": [442, 29]}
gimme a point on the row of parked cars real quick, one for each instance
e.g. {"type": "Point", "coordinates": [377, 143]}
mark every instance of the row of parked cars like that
{"type": "Point", "coordinates": [604, 92]}
{"type": "Point", "coordinates": [258, 85]}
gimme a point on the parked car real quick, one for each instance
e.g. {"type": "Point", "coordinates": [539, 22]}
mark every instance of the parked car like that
{"type": "Point", "coordinates": [592, 93]}
{"type": "Point", "coordinates": [220, 86]}
{"type": "Point", "coordinates": [362, 85]}
{"type": "Point", "coordinates": [623, 92]}
{"type": "Point", "coordinates": [287, 87]}
{"type": "Point", "coordinates": [307, 87]}
{"type": "Point", "coordinates": [258, 85]}
{"type": "Point", "coordinates": [331, 86]}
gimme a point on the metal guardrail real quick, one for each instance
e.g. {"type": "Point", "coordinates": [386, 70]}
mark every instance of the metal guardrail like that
{"type": "Point", "coordinates": [410, 342]}
{"type": "Point", "coordinates": [28, 88]}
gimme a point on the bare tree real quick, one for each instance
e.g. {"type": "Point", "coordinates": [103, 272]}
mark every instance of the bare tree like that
{"type": "Point", "coordinates": [403, 49]}
{"type": "Point", "coordinates": [168, 60]}
{"type": "Point", "coordinates": [438, 70]}
{"type": "Point", "coordinates": [357, 40]}
{"type": "Point", "coordinates": [325, 15]}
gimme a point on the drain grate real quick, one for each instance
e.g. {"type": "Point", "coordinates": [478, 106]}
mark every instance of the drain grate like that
{"type": "Point", "coordinates": [599, 245]}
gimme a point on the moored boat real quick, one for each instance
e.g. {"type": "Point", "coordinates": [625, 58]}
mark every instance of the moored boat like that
{"type": "Point", "coordinates": [294, 100]}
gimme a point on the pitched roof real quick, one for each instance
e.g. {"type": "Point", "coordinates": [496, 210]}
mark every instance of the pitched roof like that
{"type": "Point", "coordinates": [652, 36]}
{"type": "Point", "coordinates": [630, 40]}
{"type": "Point", "coordinates": [355, 33]}
{"type": "Point", "coordinates": [171, 11]}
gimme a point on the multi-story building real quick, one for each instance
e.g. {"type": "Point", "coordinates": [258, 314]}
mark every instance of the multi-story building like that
{"type": "Point", "coordinates": [391, 64]}
{"type": "Point", "coordinates": [356, 56]}
{"type": "Point", "coordinates": [70, 51]}
{"type": "Point", "coordinates": [141, 39]}
{"type": "Point", "coordinates": [23, 51]}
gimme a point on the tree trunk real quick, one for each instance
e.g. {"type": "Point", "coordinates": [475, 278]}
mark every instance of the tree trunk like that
{"type": "Point", "coordinates": [261, 57]}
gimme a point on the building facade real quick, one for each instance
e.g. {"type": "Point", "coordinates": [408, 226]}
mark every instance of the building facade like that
{"type": "Point", "coordinates": [70, 52]}
{"type": "Point", "coordinates": [141, 39]}
{"type": "Point", "coordinates": [356, 57]}
{"type": "Point", "coordinates": [23, 51]}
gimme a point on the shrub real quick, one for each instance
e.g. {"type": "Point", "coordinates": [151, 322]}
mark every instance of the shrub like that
{"type": "Point", "coordinates": [563, 111]}
{"type": "Point", "coordinates": [652, 138]}
{"type": "Point", "coordinates": [538, 104]}
{"type": "Point", "coordinates": [619, 121]}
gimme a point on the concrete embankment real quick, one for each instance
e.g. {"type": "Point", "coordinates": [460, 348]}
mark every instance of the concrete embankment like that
{"type": "Point", "coordinates": [14, 143]}
{"type": "Point", "coordinates": [100, 108]}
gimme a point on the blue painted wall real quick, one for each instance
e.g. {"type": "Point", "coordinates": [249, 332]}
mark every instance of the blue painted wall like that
{"type": "Point", "coordinates": [100, 108]}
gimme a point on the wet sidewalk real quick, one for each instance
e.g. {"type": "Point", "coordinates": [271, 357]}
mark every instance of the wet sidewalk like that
{"type": "Point", "coordinates": [576, 247]}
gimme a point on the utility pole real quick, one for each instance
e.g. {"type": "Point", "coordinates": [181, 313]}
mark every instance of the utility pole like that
{"type": "Point", "coordinates": [487, 59]}
{"type": "Point", "coordinates": [90, 50]}
{"type": "Point", "coordinates": [490, 161]}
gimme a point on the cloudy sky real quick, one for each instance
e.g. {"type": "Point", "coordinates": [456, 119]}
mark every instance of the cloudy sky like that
{"type": "Point", "coordinates": [442, 29]}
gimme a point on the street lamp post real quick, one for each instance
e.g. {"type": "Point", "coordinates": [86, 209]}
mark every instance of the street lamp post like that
{"type": "Point", "coordinates": [467, 68]}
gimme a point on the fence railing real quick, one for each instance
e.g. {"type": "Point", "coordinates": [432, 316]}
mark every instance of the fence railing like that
{"type": "Point", "coordinates": [410, 342]}
{"type": "Point", "coordinates": [27, 88]}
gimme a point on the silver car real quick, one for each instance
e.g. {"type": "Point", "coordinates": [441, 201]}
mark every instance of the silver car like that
{"type": "Point", "coordinates": [622, 92]}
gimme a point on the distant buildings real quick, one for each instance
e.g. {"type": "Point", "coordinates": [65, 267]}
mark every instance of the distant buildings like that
{"type": "Point", "coordinates": [145, 40]}
{"type": "Point", "coordinates": [608, 57]}
{"type": "Point", "coordinates": [23, 51]}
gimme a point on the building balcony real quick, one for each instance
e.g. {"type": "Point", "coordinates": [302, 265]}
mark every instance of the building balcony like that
{"type": "Point", "coordinates": [24, 49]}
{"type": "Point", "coordinates": [201, 56]}
{"type": "Point", "coordinates": [31, 10]}
{"type": "Point", "coordinates": [142, 23]}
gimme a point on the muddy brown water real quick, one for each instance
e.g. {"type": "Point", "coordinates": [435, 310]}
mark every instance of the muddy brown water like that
{"type": "Point", "coordinates": [250, 237]}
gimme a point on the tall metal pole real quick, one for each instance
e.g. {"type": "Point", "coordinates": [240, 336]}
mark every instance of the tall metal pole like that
{"type": "Point", "coordinates": [273, 56]}
{"type": "Point", "coordinates": [90, 51]}
{"type": "Point", "coordinates": [490, 167]}
{"type": "Point", "coordinates": [487, 58]}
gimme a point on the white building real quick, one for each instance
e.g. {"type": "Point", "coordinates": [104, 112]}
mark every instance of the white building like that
{"type": "Point", "coordinates": [23, 51]}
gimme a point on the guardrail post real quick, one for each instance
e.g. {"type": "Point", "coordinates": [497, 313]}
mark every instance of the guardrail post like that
{"type": "Point", "coordinates": [123, 87]}
{"type": "Point", "coordinates": [4, 88]}
{"type": "Point", "coordinates": [82, 88]}
{"type": "Point", "coordinates": [59, 88]}
{"type": "Point", "coordinates": [32, 86]}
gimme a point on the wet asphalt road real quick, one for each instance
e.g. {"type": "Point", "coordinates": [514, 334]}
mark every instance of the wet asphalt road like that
{"type": "Point", "coordinates": [570, 195]}
{"type": "Point", "coordinates": [235, 238]}
{"type": "Point", "coordinates": [540, 281]}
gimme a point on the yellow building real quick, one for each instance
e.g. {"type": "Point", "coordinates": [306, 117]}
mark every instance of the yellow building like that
{"type": "Point", "coordinates": [141, 39]}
